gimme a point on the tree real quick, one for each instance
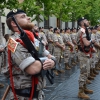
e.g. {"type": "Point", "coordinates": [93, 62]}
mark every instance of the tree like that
{"type": "Point", "coordinates": [94, 14]}
{"type": "Point", "coordinates": [65, 10]}
{"type": "Point", "coordinates": [32, 7]}
{"type": "Point", "coordinates": [74, 9]}
{"type": "Point", "coordinates": [10, 4]}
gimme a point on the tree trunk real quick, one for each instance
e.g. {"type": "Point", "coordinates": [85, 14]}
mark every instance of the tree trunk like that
{"type": "Point", "coordinates": [66, 24]}
{"type": "Point", "coordinates": [73, 24]}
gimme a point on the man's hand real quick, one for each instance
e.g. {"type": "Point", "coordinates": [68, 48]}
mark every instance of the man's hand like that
{"type": "Point", "coordinates": [72, 45]}
{"type": "Point", "coordinates": [63, 48]}
{"type": "Point", "coordinates": [2, 49]}
{"type": "Point", "coordinates": [93, 41]}
{"type": "Point", "coordinates": [48, 64]}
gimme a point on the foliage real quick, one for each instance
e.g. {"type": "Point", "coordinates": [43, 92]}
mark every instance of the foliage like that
{"type": "Point", "coordinates": [94, 14]}
{"type": "Point", "coordinates": [12, 4]}
{"type": "Point", "coordinates": [2, 6]}
{"type": "Point", "coordinates": [65, 10]}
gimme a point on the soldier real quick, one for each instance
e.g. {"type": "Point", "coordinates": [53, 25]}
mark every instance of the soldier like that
{"type": "Point", "coordinates": [98, 39]}
{"type": "Point", "coordinates": [94, 58]}
{"type": "Point", "coordinates": [74, 40]}
{"type": "Point", "coordinates": [62, 32]}
{"type": "Point", "coordinates": [50, 40]}
{"type": "Point", "coordinates": [59, 47]}
{"type": "Point", "coordinates": [36, 30]}
{"type": "Point", "coordinates": [42, 35]}
{"type": "Point", "coordinates": [90, 72]}
{"type": "Point", "coordinates": [73, 35]}
{"type": "Point", "coordinates": [78, 29]}
{"type": "Point", "coordinates": [68, 48]}
{"type": "Point", "coordinates": [2, 55]}
{"type": "Point", "coordinates": [84, 44]}
{"type": "Point", "coordinates": [26, 82]}
{"type": "Point", "coordinates": [1, 50]}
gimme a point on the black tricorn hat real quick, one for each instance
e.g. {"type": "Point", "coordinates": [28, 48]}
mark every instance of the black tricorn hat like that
{"type": "Point", "coordinates": [80, 19]}
{"type": "Point", "coordinates": [14, 12]}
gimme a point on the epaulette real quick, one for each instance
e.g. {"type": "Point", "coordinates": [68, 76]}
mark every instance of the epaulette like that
{"type": "Point", "coordinates": [83, 30]}
{"type": "Point", "coordinates": [12, 44]}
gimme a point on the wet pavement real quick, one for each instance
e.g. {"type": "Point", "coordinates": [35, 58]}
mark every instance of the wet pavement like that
{"type": "Point", "coordinates": [68, 87]}
{"type": "Point", "coordinates": [3, 80]}
{"type": "Point", "coordinates": [61, 86]}
{"type": "Point", "coordinates": [65, 86]}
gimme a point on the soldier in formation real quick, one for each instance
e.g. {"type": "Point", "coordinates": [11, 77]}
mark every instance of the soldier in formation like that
{"type": "Point", "coordinates": [71, 45]}
{"type": "Point", "coordinates": [26, 80]}
{"type": "Point", "coordinates": [78, 45]}
{"type": "Point", "coordinates": [87, 57]}
{"type": "Point", "coordinates": [2, 55]}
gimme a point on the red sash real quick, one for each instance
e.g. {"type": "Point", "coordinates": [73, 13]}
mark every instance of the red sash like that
{"type": "Point", "coordinates": [91, 49]}
{"type": "Point", "coordinates": [34, 78]}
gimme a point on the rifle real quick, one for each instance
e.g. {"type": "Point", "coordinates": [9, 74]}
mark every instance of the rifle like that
{"type": "Point", "coordinates": [34, 52]}
{"type": "Point", "coordinates": [6, 92]}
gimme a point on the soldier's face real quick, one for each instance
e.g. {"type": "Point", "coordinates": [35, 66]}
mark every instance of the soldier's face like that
{"type": "Point", "coordinates": [94, 30]}
{"type": "Point", "coordinates": [36, 29]}
{"type": "Point", "coordinates": [24, 21]}
{"type": "Point", "coordinates": [74, 30]}
{"type": "Point", "coordinates": [98, 28]}
{"type": "Point", "coordinates": [63, 31]}
{"type": "Point", "coordinates": [51, 29]}
{"type": "Point", "coordinates": [68, 31]}
{"type": "Point", "coordinates": [41, 30]}
{"type": "Point", "coordinates": [86, 22]}
{"type": "Point", "coordinates": [58, 31]}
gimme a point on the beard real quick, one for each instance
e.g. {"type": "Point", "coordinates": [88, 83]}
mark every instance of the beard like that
{"type": "Point", "coordinates": [28, 26]}
{"type": "Point", "coordinates": [86, 25]}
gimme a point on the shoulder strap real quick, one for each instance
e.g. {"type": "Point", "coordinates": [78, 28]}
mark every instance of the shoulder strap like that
{"type": "Point", "coordinates": [11, 76]}
{"type": "Point", "coordinates": [34, 79]}
{"type": "Point", "coordinates": [83, 47]}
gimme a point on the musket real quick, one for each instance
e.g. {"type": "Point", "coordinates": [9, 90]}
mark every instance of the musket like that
{"type": "Point", "coordinates": [6, 92]}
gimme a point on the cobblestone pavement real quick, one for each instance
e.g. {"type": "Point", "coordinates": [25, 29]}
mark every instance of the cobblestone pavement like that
{"type": "Point", "coordinates": [65, 86]}
{"type": "Point", "coordinates": [68, 89]}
